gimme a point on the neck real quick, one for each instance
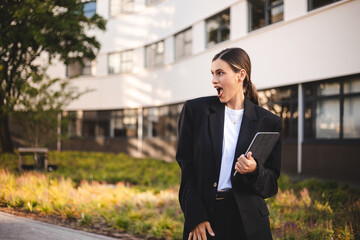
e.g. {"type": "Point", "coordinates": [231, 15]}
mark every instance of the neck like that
{"type": "Point", "coordinates": [237, 102]}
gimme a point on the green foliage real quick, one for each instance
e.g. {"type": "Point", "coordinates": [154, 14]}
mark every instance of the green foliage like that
{"type": "Point", "coordinates": [132, 200]}
{"type": "Point", "coordinates": [40, 105]}
{"type": "Point", "coordinates": [113, 168]}
{"type": "Point", "coordinates": [29, 29]}
{"type": "Point", "coordinates": [8, 161]}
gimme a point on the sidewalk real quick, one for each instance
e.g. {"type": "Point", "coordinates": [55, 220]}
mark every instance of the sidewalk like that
{"type": "Point", "coordinates": [19, 228]}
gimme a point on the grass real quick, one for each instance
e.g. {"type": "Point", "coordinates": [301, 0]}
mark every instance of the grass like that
{"type": "Point", "coordinates": [139, 196]}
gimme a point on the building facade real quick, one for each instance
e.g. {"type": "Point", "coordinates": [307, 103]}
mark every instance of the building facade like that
{"type": "Point", "coordinates": [155, 55]}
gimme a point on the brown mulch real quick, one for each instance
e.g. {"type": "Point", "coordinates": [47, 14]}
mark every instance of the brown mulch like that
{"type": "Point", "coordinates": [70, 223]}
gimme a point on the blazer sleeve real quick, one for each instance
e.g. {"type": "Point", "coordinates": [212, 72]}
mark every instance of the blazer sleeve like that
{"type": "Point", "coordinates": [264, 180]}
{"type": "Point", "coordinates": [189, 197]}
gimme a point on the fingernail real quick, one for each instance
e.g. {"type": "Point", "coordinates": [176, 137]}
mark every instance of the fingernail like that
{"type": "Point", "coordinates": [212, 234]}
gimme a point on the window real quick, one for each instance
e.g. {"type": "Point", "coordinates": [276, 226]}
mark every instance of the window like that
{"type": "Point", "coordinates": [96, 124]}
{"type": "Point", "coordinates": [121, 6]}
{"type": "Point", "coordinates": [151, 2]}
{"type": "Point", "coordinates": [330, 111]}
{"type": "Point", "coordinates": [265, 12]}
{"type": "Point", "coordinates": [284, 103]}
{"type": "Point", "coordinates": [124, 123]}
{"type": "Point", "coordinates": [90, 9]}
{"type": "Point", "coordinates": [76, 69]}
{"type": "Point", "coordinates": [218, 28]}
{"type": "Point", "coordinates": [154, 54]}
{"type": "Point", "coordinates": [183, 43]}
{"type": "Point", "coordinates": [161, 121]}
{"type": "Point", "coordinates": [313, 4]}
{"type": "Point", "coordinates": [121, 62]}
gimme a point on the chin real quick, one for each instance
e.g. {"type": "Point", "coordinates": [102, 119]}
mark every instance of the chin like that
{"type": "Point", "coordinates": [222, 100]}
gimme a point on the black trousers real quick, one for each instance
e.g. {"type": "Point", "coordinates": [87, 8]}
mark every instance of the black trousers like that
{"type": "Point", "coordinates": [225, 221]}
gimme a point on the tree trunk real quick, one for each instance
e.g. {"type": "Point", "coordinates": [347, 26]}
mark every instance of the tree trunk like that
{"type": "Point", "coordinates": [6, 143]}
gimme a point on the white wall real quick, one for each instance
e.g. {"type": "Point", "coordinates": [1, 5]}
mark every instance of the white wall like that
{"type": "Point", "coordinates": [306, 46]}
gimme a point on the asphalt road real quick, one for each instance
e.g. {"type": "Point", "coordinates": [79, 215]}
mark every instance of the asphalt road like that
{"type": "Point", "coordinates": [19, 228]}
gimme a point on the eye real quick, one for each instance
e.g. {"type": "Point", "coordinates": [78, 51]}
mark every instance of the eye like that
{"type": "Point", "coordinates": [220, 73]}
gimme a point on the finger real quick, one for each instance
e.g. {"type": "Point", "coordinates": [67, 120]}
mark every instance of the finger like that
{"type": "Point", "coordinates": [241, 156]}
{"type": "Point", "coordinates": [190, 235]}
{"type": "Point", "coordinates": [249, 155]}
{"type": "Point", "coordinates": [195, 236]}
{"type": "Point", "coordinates": [209, 229]}
{"type": "Point", "coordinates": [203, 235]}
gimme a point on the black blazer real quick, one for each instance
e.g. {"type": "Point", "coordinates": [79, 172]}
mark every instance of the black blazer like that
{"type": "Point", "coordinates": [201, 127]}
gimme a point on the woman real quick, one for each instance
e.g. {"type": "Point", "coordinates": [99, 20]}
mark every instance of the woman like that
{"type": "Point", "coordinates": [214, 132]}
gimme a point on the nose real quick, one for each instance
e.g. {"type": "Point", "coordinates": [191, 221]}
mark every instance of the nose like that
{"type": "Point", "coordinates": [214, 80]}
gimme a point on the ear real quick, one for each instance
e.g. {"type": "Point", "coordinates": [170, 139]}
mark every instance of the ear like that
{"type": "Point", "coordinates": [242, 75]}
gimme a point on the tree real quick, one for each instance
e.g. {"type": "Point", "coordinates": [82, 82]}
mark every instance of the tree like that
{"type": "Point", "coordinates": [38, 108]}
{"type": "Point", "coordinates": [30, 28]}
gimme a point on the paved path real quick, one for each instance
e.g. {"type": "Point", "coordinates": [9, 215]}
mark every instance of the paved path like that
{"type": "Point", "coordinates": [19, 228]}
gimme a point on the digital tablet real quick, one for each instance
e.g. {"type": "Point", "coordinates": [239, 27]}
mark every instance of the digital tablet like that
{"type": "Point", "coordinates": [262, 145]}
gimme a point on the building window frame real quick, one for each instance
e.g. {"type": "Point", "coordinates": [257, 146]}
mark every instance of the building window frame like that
{"type": "Point", "coordinates": [284, 107]}
{"type": "Point", "coordinates": [161, 121]}
{"type": "Point", "coordinates": [149, 3]}
{"type": "Point", "coordinates": [125, 62]}
{"type": "Point", "coordinates": [122, 7]}
{"type": "Point", "coordinates": [124, 123]}
{"type": "Point", "coordinates": [267, 13]}
{"type": "Point", "coordinates": [76, 69]}
{"type": "Point", "coordinates": [310, 102]}
{"type": "Point", "coordinates": [155, 54]}
{"type": "Point", "coordinates": [183, 45]}
{"type": "Point", "coordinates": [222, 30]}
{"type": "Point", "coordinates": [311, 4]}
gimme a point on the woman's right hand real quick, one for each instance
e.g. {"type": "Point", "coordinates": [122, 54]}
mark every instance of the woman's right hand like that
{"type": "Point", "coordinates": [199, 232]}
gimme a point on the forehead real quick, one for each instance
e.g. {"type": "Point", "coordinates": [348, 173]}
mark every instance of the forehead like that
{"type": "Point", "coordinates": [220, 64]}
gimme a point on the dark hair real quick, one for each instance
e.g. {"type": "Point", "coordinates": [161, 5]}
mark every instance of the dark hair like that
{"type": "Point", "coordinates": [238, 59]}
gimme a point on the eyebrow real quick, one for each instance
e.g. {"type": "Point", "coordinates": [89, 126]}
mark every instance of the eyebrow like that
{"type": "Point", "coordinates": [217, 70]}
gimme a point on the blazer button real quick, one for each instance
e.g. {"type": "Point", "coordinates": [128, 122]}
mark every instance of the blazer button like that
{"type": "Point", "coordinates": [215, 184]}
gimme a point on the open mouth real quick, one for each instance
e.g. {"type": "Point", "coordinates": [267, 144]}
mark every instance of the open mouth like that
{"type": "Point", "coordinates": [219, 91]}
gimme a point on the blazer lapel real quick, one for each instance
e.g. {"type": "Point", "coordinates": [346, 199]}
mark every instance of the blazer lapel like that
{"type": "Point", "coordinates": [247, 130]}
{"type": "Point", "coordinates": [216, 123]}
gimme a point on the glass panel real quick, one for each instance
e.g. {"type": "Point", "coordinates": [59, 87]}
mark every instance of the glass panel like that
{"type": "Point", "coordinates": [211, 28]}
{"type": "Point", "coordinates": [103, 129]}
{"type": "Point", "coordinates": [352, 117]}
{"type": "Point", "coordinates": [114, 63]}
{"type": "Point", "coordinates": [154, 54]}
{"type": "Point", "coordinates": [319, 3]}
{"type": "Point", "coordinates": [89, 128]}
{"type": "Point", "coordinates": [276, 14]}
{"type": "Point", "coordinates": [218, 28]}
{"type": "Point", "coordinates": [326, 89]}
{"type": "Point", "coordinates": [282, 102]}
{"type": "Point", "coordinates": [257, 14]}
{"type": "Point", "coordinates": [308, 124]}
{"type": "Point", "coordinates": [352, 86]}
{"type": "Point", "coordinates": [183, 43]}
{"type": "Point", "coordinates": [225, 34]}
{"type": "Point", "coordinates": [286, 118]}
{"type": "Point", "coordinates": [328, 119]}
{"type": "Point", "coordinates": [86, 69]}
{"type": "Point", "coordinates": [275, 2]}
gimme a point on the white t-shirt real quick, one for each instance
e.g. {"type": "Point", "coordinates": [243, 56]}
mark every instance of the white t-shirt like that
{"type": "Point", "coordinates": [232, 123]}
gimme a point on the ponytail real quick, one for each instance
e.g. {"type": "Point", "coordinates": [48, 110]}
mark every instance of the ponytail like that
{"type": "Point", "coordinates": [250, 91]}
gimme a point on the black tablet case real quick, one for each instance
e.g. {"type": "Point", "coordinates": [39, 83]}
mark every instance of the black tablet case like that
{"type": "Point", "coordinates": [262, 145]}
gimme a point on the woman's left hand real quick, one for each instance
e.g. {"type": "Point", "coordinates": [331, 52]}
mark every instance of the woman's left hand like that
{"type": "Point", "coordinates": [246, 164]}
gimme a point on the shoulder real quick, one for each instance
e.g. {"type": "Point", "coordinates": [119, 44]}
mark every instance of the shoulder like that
{"type": "Point", "coordinates": [202, 102]}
